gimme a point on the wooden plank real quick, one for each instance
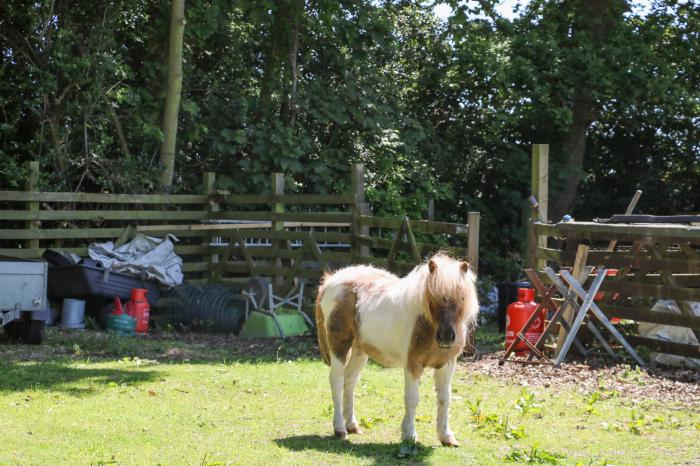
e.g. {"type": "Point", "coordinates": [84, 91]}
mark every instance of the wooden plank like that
{"type": "Point", "coordinates": [293, 199]}
{"type": "Point", "coordinates": [619, 260]}
{"type": "Point", "coordinates": [271, 270]}
{"type": "Point", "coordinates": [277, 208]}
{"type": "Point", "coordinates": [621, 232]}
{"type": "Point", "coordinates": [554, 255]}
{"type": "Point", "coordinates": [539, 181]}
{"type": "Point", "coordinates": [643, 314]}
{"type": "Point", "coordinates": [32, 206]}
{"type": "Point", "coordinates": [96, 215]}
{"type": "Point", "coordinates": [539, 187]}
{"type": "Point", "coordinates": [473, 220]}
{"type": "Point", "coordinates": [568, 312]}
{"type": "Point", "coordinates": [103, 198]}
{"type": "Point", "coordinates": [668, 347]}
{"type": "Point", "coordinates": [320, 217]}
{"type": "Point", "coordinates": [650, 290]}
{"type": "Point", "coordinates": [195, 267]}
{"type": "Point", "coordinates": [630, 208]}
{"type": "Point", "coordinates": [418, 226]}
{"type": "Point", "coordinates": [334, 237]}
{"type": "Point", "coordinates": [60, 233]}
{"type": "Point", "coordinates": [424, 248]}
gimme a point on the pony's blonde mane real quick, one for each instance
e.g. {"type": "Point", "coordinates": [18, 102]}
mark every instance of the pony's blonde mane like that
{"type": "Point", "coordinates": [449, 281]}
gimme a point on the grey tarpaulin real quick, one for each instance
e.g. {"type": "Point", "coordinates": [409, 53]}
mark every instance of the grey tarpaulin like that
{"type": "Point", "coordinates": [145, 256]}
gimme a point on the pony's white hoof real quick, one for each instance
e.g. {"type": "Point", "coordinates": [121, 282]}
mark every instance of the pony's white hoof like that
{"type": "Point", "coordinates": [340, 434]}
{"type": "Point", "coordinates": [354, 429]}
{"type": "Point", "coordinates": [449, 441]}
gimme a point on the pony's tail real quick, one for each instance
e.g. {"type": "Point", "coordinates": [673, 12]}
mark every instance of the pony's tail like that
{"type": "Point", "coordinates": [321, 329]}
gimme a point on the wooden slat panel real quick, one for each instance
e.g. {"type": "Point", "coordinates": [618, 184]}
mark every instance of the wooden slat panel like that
{"type": "Point", "coordinates": [33, 253]}
{"type": "Point", "coordinates": [132, 215]}
{"type": "Point", "coordinates": [324, 217]}
{"type": "Point", "coordinates": [103, 198]}
{"type": "Point", "coordinates": [294, 235]}
{"type": "Point", "coordinates": [424, 248]}
{"type": "Point", "coordinates": [618, 231]}
{"type": "Point", "coordinates": [649, 290]}
{"type": "Point", "coordinates": [665, 346]}
{"type": "Point", "coordinates": [418, 226]}
{"type": "Point", "coordinates": [61, 233]}
{"type": "Point", "coordinates": [268, 270]}
{"type": "Point", "coordinates": [619, 260]}
{"type": "Point", "coordinates": [294, 199]}
{"type": "Point", "coordinates": [640, 314]}
{"type": "Point", "coordinates": [195, 267]}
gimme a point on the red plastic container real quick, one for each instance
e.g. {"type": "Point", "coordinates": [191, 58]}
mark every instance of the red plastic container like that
{"type": "Point", "coordinates": [601, 294]}
{"type": "Point", "coordinates": [139, 309]}
{"type": "Point", "coordinates": [517, 315]}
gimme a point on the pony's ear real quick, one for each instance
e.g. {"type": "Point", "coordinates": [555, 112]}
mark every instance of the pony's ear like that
{"type": "Point", "coordinates": [432, 266]}
{"type": "Point", "coordinates": [464, 266]}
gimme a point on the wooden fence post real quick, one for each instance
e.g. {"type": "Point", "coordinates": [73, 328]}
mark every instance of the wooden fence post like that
{"type": "Point", "coordinates": [208, 179]}
{"type": "Point", "coordinates": [539, 186]}
{"type": "Point", "coordinates": [359, 207]}
{"type": "Point", "coordinates": [473, 219]}
{"type": "Point", "coordinates": [33, 206]}
{"type": "Point", "coordinates": [278, 225]}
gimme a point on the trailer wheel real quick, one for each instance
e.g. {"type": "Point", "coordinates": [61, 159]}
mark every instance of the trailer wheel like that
{"type": "Point", "coordinates": [34, 332]}
{"type": "Point", "coordinates": [13, 330]}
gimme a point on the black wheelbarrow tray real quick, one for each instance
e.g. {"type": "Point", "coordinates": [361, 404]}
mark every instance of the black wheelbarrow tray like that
{"type": "Point", "coordinates": [98, 286]}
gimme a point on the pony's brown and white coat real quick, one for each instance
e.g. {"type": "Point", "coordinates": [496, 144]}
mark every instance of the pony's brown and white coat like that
{"type": "Point", "coordinates": [362, 312]}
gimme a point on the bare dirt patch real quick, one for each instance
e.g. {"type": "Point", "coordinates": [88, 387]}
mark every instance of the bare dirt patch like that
{"type": "Point", "coordinates": [662, 384]}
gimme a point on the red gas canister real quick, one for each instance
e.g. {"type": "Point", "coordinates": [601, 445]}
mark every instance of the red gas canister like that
{"type": "Point", "coordinates": [139, 309]}
{"type": "Point", "coordinates": [517, 315]}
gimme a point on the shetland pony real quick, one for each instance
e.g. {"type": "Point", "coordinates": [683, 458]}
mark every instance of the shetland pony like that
{"type": "Point", "coordinates": [415, 322]}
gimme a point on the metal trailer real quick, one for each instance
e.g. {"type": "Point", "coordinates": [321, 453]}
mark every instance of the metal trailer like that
{"type": "Point", "coordinates": [24, 308]}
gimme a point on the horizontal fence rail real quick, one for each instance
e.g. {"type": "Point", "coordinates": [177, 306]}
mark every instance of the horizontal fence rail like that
{"type": "Point", "coordinates": [225, 236]}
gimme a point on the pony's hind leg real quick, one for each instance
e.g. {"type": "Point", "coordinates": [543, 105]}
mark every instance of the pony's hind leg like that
{"type": "Point", "coordinates": [336, 379]}
{"type": "Point", "coordinates": [357, 362]}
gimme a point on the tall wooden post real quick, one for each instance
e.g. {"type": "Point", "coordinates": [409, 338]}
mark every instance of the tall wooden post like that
{"type": "Point", "coordinates": [539, 186]}
{"type": "Point", "coordinates": [473, 219]}
{"type": "Point", "coordinates": [359, 207]}
{"type": "Point", "coordinates": [33, 206]}
{"type": "Point", "coordinates": [208, 179]}
{"type": "Point", "coordinates": [278, 225]}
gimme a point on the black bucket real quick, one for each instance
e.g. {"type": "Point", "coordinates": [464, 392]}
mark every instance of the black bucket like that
{"type": "Point", "coordinates": [507, 293]}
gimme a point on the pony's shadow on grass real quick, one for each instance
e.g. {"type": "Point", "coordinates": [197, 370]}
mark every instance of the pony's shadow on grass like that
{"type": "Point", "coordinates": [382, 453]}
{"type": "Point", "coordinates": [58, 376]}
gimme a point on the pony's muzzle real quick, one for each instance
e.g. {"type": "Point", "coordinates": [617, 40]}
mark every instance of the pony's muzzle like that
{"type": "Point", "coordinates": [445, 336]}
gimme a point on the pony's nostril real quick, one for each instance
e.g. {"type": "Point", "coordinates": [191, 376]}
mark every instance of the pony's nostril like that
{"type": "Point", "coordinates": [446, 335]}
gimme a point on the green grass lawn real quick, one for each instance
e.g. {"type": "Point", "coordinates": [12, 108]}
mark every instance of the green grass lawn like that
{"type": "Point", "coordinates": [84, 398]}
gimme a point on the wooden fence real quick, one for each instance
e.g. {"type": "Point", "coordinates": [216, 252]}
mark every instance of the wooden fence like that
{"type": "Point", "coordinates": [653, 261]}
{"type": "Point", "coordinates": [224, 236]}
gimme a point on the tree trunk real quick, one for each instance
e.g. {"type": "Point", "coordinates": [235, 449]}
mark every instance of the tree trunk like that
{"type": "Point", "coordinates": [174, 89]}
{"type": "Point", "coordinates": [596, 18]}
{"type": "Point", "coordinates": [574, 148]}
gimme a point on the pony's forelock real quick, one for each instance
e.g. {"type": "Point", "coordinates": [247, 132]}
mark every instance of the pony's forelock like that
{"type": "Point", "coordinates": [447, 281]}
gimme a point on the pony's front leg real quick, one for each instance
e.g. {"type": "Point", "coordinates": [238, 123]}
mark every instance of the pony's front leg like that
{"type": "Point", "coordinates": [408, 426]}
{"type": "Point", "coordinates": [443, 379]}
